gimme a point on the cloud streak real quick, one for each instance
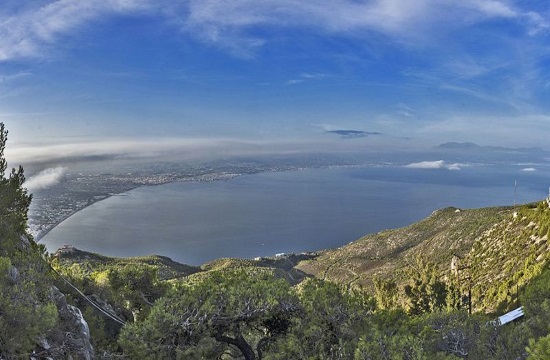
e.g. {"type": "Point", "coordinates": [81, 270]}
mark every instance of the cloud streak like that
{"type": "Point", "coordinates": [181, 149]}
{"type": "Point", "coordinates": [432, 165]}
{"type": "Point", "coordinates": [529, 169]}
{"type": "Point", "coordinates": [27, 34]}
{"type": "Point", "coordinates": [45, 178]}
{"type": "Point", "coordinates": [231, 25]}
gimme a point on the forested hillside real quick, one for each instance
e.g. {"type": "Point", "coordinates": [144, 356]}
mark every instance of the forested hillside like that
{"type": "Point", "coordinates": [35, 318]}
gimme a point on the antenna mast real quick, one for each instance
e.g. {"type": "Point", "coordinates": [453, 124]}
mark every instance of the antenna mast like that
{"type": "Point", "coordinates": [516, 192]}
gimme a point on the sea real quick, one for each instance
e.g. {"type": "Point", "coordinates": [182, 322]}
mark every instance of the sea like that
{"type": "Point", "coordinates": [272, 213]}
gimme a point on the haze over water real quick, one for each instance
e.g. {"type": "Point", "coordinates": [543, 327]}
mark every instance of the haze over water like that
{"type": "Point", "coordinates": [296, 211]}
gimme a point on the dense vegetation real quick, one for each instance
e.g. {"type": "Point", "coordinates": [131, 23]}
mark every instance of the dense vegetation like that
{"type": "Point", "coordinates": [26, 312]}
{"type": "Point", "coordinates": [387, 296]}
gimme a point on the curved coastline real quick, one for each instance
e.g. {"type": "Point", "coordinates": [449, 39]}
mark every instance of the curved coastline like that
{"type": "Point", "coordinates": [200, 178]}
{"type": "Point", "coordinates": [91, 202]}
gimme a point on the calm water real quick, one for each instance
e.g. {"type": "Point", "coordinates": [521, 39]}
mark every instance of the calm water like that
{"type": "Point", "coordinates": [265, 214]}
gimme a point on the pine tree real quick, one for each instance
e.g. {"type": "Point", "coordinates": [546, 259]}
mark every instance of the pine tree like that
{"type": "Point", "coordinates": [14, 201]}
{"type": "Point", "coordinates": [26, 313]}
{"type": "Point", "coordinates": [425, 292]}
{"type": "Point", "coordinates": [539, 349]}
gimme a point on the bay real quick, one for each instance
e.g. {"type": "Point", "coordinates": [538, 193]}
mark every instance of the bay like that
{"type": "Point", "coordinates": [282, 212]}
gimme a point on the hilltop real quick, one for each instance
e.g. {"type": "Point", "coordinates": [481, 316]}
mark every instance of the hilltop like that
{"type": "Point", "coordinates": [88, 264]}
{"type": "Point", "coordinates": [69, 256]}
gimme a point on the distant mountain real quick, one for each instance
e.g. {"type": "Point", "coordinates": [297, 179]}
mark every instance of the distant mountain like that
{"type": "Point", "coordinates": [473, 146]}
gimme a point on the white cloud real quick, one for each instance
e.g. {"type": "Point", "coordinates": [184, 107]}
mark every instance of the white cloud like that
{"type": "Point", "coordinates": [28, 33]}
{"type": "Point", "coordinates": [536, 23]}
{"type": "Point", "coordinates": [305, 77]}
{"type": "Point", "coordinates": [529, 169]}
{"type": "Point", "coordinates": [294, 81]}
{"type": "Point", "coordinates": [13, 77]}
{"type": "Point", "coordinates": [231, 24]}
{"type": "Point", "coordinates": [438, 164]}
{"type": "Point", "coordinates": [454, 166]}
{"type": "Point", "coordinates": [45, 178]}
{"type": "Point", "coordinates": [178, 149]}
{"type": "Point", "coordinates": [492, 8]}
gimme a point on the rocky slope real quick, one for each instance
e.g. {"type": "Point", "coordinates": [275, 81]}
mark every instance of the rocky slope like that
{"type": "Point", "coordinates": [445, 233]}
{"type": "Point", "coordinates": [494, 252]}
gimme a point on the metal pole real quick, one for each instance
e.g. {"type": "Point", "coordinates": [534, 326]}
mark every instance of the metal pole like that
{"type": "Point", "coordinates": [470, 297]}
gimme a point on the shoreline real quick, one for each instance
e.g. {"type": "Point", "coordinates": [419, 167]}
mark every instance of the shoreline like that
{"type": "Point", "coordinates": [92, 201]}
{"type": "Point", "coordinates": [201, 178]}
{"type": "Point", "coordinates": [41, 234]}
{"type": "Point", "coordinates": [224, 176]}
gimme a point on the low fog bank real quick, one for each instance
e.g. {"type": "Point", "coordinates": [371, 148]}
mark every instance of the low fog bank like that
{"type": "Point", "coordinates": [45, 164]}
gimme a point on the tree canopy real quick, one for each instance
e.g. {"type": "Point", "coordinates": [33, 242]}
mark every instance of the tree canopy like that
{"type": "Point", "coordinates": [26, 311]}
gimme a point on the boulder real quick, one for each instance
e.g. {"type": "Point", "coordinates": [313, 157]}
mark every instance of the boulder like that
{"type": "Point", "coordinates": [71, 338]}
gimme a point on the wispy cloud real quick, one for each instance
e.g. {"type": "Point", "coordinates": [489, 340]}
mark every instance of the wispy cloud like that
{"type": "Point", "coordinates": [232, 24]}
{"type": "Point", "coordinates": [430, 165]}
{"type": "Point", "coordinates": [305, 77]}
{"type": "Point", "coordinates": [45, 178]}
{"type": "Point", "coordinates": [11, 77]}
{"type": "Point", "coordinates": [405, 110]}
{"type": "Point", "coordinates": [27, 34]}
{"type": "Point", "coordinates": [529, 169]}
{"type": "Point", "coordinates": [480, 95]}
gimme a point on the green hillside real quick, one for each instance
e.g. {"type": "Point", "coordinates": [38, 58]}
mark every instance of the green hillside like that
{"type": "Point", "coordinates": [35, 318]}
{"type": "Point", "coordinates": [445, 233]}
{"type": "Point", "coordinates": [499, 250]}
{"type": "Point", "coordinates": [89, 263]}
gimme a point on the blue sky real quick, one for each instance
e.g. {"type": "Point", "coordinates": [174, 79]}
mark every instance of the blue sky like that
{"type": "Point", "coordinates": [89, 77]}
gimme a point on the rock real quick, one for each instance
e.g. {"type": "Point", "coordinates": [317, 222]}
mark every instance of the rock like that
{"type": "Point", "coordinates": [71, 338]}
{"type": "Point", "coordinates": [13, 275]}
{"type": "Point", "coordinates": [24, 242]}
